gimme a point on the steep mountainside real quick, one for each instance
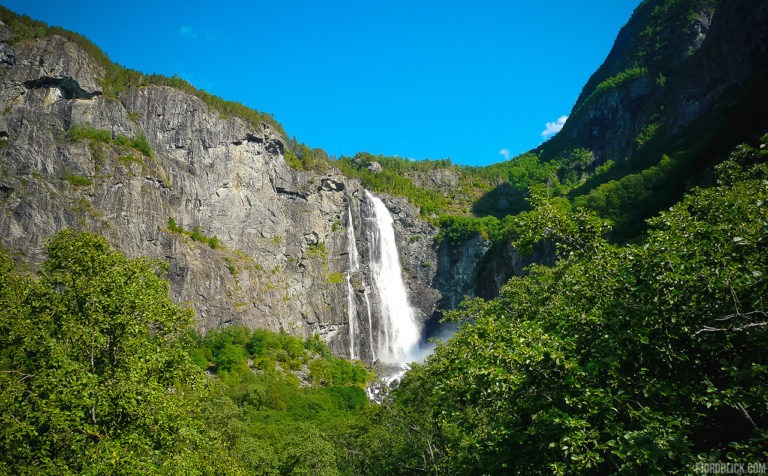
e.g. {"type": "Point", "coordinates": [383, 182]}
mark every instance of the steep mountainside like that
{"type": "Point", "coordinates": [254, 225]}
{"type": "Point", "coordinates": [684, 79]}
{"type": "Point", "coordinates": [685, 82]}
{"type": "Point", "coordinates": [674, 63]}
{"type": "Point", "coordinates": [248, 239]}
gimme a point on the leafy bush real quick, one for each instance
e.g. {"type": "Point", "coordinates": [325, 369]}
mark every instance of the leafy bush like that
{"type": "Point", "coordinates": [229, 358]}
{"type": "Point", "coordinates": [80, 132]}
{"type": "Point", "coordinates": [621, 78]}
{"type": "Point", "coordinates": [140, 143]}
{"type": "Point", "coordinates": [93, 371]}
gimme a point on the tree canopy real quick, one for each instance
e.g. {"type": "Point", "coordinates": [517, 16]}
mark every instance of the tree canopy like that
{"type": "Point", "coordinates": [94, 368]}
{"type": "Point", "coordinates": [620, 359]}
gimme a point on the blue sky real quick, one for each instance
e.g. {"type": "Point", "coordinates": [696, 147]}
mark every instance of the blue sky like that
{"type": "Point", "coordinates": [471, 81]}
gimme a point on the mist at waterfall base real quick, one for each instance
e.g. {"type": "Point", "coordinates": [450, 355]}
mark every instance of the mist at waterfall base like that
{"type": "Point", "coordinates": [398, 340]}
{"type": "Point", "coordinates": [438, 333]}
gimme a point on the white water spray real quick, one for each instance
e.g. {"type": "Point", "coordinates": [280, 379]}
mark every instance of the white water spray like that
{"type": "Point", "coordinates": [351, 311]}
{"type": "Point", "coordinates": [352, 314]}
{"type": "Point", "coordinates": [398, 335]}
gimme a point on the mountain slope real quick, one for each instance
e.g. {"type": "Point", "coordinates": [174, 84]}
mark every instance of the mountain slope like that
{"type": "Point", "coordinates": [252, 223]}
{"type": "Point", "coordinates": [685, 79]}
{"type": "Point", "coordinates": [160, 173]}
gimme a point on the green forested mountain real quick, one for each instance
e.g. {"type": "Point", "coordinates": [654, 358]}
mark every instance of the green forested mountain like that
{"type": "Point", "coordinates": [634, 359]}
{"type": "Point", "coordinates": [641, 350]}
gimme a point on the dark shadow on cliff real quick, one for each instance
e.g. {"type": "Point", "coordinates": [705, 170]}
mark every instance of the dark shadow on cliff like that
{"type": "Point", "coordinates": [472, 269]}
{"type": "Point", "coordinates": [695, 150]}
{"type": "Point", "coordinates": [503, 200]}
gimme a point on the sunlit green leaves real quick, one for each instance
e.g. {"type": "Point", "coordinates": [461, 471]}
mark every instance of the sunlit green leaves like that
{"type": "Point", "coordinates": [635, 359]}
{"type": "Point", "coordinates": [94, 366]}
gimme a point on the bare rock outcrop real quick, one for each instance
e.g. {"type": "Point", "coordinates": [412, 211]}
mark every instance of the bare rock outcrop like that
{"type": "Point", "coordinates": [248, 239]}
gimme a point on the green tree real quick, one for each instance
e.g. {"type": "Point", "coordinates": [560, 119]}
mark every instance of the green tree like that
{"type": "Point", "coordinates": [94, 372]}
{"type": "Point", "coordinates": [637, 359]}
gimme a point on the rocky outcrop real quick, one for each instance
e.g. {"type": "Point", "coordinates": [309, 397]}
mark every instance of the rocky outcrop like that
{"type": "Point", "coordinates": [458, 270]}
{"type": "Point", "coordinates": [282, 254]}
{"type": "Point", "coordinates": [476, 269]}
{"type": "Point", "coordinates": [673, 64]}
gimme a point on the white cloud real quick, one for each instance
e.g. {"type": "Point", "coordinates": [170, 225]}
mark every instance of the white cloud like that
{"type": "Point", "coordinates": [187, 31]}
{"type": "Point", "coordinates": [554, 127]}
{"type": "Point", "coordinates": [505, 153]}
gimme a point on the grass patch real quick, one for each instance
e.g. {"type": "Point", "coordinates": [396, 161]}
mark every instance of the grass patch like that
{"type": "Point", "coordinates": [78, 180]}
{"type": "Point", "coordinates": [195, 234]}
{"type": "Point", "coordinates": [86, 132]}
{"type": "Point", "coordinates": [318, 250]}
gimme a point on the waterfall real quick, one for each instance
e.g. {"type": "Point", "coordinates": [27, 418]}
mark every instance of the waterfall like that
{"type": "Point", "coordinates": [370, 324]}
{"type": "Point", "coordinates": [352, 314]}
{"type": "Point", "coordinates": [354, 266]}
{"type": "Point", "coordinates": [398, 334]}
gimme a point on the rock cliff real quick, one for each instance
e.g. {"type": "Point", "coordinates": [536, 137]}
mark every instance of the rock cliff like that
{"type": "Point", "coordinates": [673, 64]}
{"type": "Point", "coordinates": [248, 239]}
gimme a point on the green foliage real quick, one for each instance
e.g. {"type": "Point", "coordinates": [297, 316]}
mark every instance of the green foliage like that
{"type": "Point", "coordinates": [574, 231]}
{"type": "Point", "coordinates": [647, 133]}
{"type": "Point", "coordinates": [86, 132]}
{"type": "Point", "coordinates": [271, 423]}
{"type": "Point", "coordinates": [230, 349]}
{"type": "Point", "coordinates": [172, 226]}
{"type": "Point", "coordinates": [130, 159]}
{"type": "Point", "coordinates": [336, 372]}
{"type": "Point", "coordinates": [621, 78]}
{"type": "Point", "coordinates": [526, 170]}
{"type": "Point", "coordinates": [437, 187]}
{"type": "Point", "coordinates": [633, 194]}
{"type": "Point", "coordinates": [477, 199]}
{"type": "Point", "coordinates": [301, 157]}
{"type": "Point", "coordinates": [140, 143]}
{"type": "Point", "coordinates": [457, 229]}
{"type": "Point", "coordinates": [317, 250]}
{"type": "Point", "coordinates": [389, 180]}
{"type": "Point", "coordinates": [335, 278]}
{"type": "Point", "coordinates": [101, 374]}
{"type": "Point", "coordinates": [78, 180]}
{"type": "Point", "coordinates": [93, 369]}
{"type": "Point", "coordinates": [635, 359]}
{"type": "Point", "coordinates": [195, 235]}
{"type": "Point", "coordinates": [315, 344]}
{"type": "Point", "coordinates": [81, 132]}
{"type": "Point", "coordinates": [576, 165]}
{"type": "Point", "coordinates": [606, 167]}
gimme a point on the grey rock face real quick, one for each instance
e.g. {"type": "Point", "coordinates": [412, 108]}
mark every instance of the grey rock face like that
{"type": "Point", "coordinates": [709, 53]}
{"type": "Point", "coordinates": [374, 167]}
{"type": "Point", "coordinates": [284, 252]}
{"type": "Point", "coordinates": [458, 270]}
